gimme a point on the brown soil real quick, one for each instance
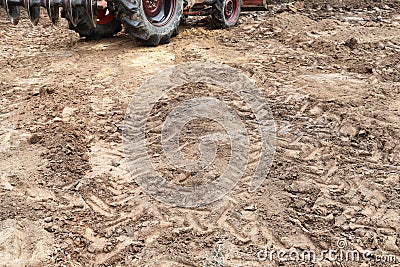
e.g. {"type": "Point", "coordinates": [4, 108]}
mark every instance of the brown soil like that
{"type": "Point", "coordinates": [331, 75]}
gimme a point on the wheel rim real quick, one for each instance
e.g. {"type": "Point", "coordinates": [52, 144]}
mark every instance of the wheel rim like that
{"type": "Point", "coordinates": [231, 10]}
{"type": "Point", "coordinates": [159, 12]}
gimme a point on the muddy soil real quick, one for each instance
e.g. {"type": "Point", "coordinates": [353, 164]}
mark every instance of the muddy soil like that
{"type": "Point", "coordinates": [330, 74]}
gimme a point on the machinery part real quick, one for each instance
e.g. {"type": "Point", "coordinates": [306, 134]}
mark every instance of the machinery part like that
{"type": "Point", "coordinates": [107, 25]}
{"type": "Point", "coordinates": [52, 10]}
{"type": "Point", "coordinates": [33, 9]}
{"type": "Point", "coordinates": [203, 12]}
{"type": "Point", "coordinates": [13, 10]}
{"type": "Point", "coordinates": [91, 11]}
{"type": "Point", "coordinates": [71, 8]}
{"type": "Point", "coordinates": [226, 13]}
{"type": "Point", "coordinates": [71, 12]}
{"type": "Point", "coordinates": [152, 22]}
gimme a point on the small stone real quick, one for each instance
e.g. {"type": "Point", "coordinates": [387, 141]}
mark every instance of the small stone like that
{"type": "Point", "coordinates": [67, 113]}
{"type": "Point", "coordinates": [35, 138]}
{"type": "Point", "coordinates": [340, 220]}
{"type": "Point", "coordinates": [250, 208]}
{"type": "Point", "coordinates": [78, 186]}
{"type": "Point", "coordinates": [380, 46]}
{"type": "Point", "coordinates": [390, 244]}
{"type": "Point", "coordinates": [42, 91]}
{"type": "Point", "coordinates": [348, 130]}
{"type": "Point", "coordinates": [85, 157]}
{"type": "Point", "coordinates": [91, 249]}
{"type": "Point", "coordinates": [108, 248]}
{"type": "Point", "coordinates": [115, 163]}
{"type": "Point", "coordinates": [36, 93]}
{"type": "Point", "coordinates": [351, 43]}
{"type": "Point", "coordinates": [57, 119]}
{"type": "Point", "coordinates": [316, 110]}
{"type": "Point", "coordinates": [330, 218]}
{"type": "Point", "coordinates": [353, 226]}
{"type": "Point", "coordinates": [182, 177]}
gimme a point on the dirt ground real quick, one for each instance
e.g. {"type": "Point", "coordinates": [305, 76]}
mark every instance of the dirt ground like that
{"type": "Point", "coordinates": [330, 73]}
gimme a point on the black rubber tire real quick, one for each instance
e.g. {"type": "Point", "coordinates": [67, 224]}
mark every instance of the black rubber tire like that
{"type": "Point", "coordinates": [218, 15]}
{"type": "Point", "coordinates": [86, 29]}
{"type": "Point", "coordinates": [132, 15]}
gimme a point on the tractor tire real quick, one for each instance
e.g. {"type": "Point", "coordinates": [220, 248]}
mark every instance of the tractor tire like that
{"type": "Point", "coordinates": [226, 13]}
{"type": "Point", "coordinates": [87, 30]}
{"type": "Point", "coordinates": [152, 22]}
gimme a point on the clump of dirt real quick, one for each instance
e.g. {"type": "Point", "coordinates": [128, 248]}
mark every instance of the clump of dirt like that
{"type": "Point", "coordinates": [67, 152]}
{"type": "Point", "coordinates": [349, 5]}
{"type": "Point", "coordinates": [24, 243]}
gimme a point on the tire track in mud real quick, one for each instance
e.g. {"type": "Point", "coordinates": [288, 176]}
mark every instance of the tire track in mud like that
{"type": "Point", "coordinates": [324, 182]}
{"type": "Point", "coordinates": [302, 150]}
{"type": "Point", "coordinates": [335, 173]}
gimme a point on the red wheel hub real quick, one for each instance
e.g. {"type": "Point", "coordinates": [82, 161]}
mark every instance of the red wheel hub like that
{"type": "Point", "coordinates": [152, 7]}
{"type": "Point", "coordinates": [104, 16]}
{"type": "Point", "coordinates": [231, 9]}
{"type": "Point", "coordinates": [159, 12]}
